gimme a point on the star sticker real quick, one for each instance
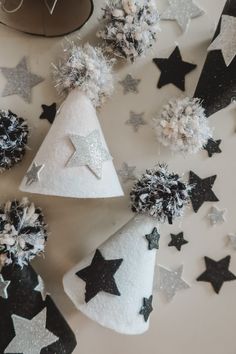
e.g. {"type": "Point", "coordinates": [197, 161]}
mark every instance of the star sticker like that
{"type": "Point", "coordinates": [213, 147]}
{"type": "Point", "coordinates": [202, 190]}
{"type": "Point", "coordinates": [153, 239]}
{"type": "Point", "coordinates": [177, 241]}
{"type": "Point", "coordinates": [173, 70]}
{"type": "Point", "coordinates": [146, 308]}
{"type": "Point", "coordinates": [225, 41]}
{"type": "Point", "coordinates": [3, 287]}
{"type": "Point", "coordinates": [217, 273]}
{"type": "Point", "coordinates": [20, 80]}
{"type": "Point", "coordinates": [232, 241]}
{"type": "Point", "coordinates": [130, 84]}
{"type": "Point", "coordinates": [41, 288]}
{"type": "Point", "coordinates": [181, 11]}
{"type": "Point", "coordinates": [32, 175]}
{"type": "Point", "coordinates": [99, 276]}
{"type": "Point", "coordinates": [216, 216]}
{"type": "Point", "coordinates": [136, 120]}
{"type": "Point", "coordinates": [31, 336]}
{"type": "Point", "coordinates": [127, 172]}
{"type": "Point", "coordinates": [49, 112]}
{"type": "Point", "coordinates": [89, 151]}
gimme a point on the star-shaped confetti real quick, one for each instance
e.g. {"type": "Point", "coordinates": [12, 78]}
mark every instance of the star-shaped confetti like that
{"type": "Point", "coordinates": [213, 147]}
{"type": "Point", "coordinates": [33, 174]}
{"type": "Point", "coordinates": [182, 11]}
{"type": "Point", "coordinates": [173, 70]}
{"type": "Point", "coordinates": [90, 152]}
{"type": "Point", "coordinates": [146, 308]}
{"type": "Point", "coordinates": [136, 120]}
{"type": "Point", "coordinates": [127, 172]}
{"type": "Point", "coordinates": [41, 288]}
{"type": "Point", "coordinates": [3, 287]}
{"type": "Point", "coordinates": [153, 239]}
{"type": "Point", "coordinates": [177, 241]}
{"type": "Point", "coordinates": [225, 41]}
{"type": "Point", "coordinates": [216, 216]}
{"type": "Point", "coordinates": [99, 276]}
{"type": "Point", "coordinates": [49, 112]}
{"type": "Point", "coordinates": [130, 84]}
{"type": "Point", "coordinates": [217, 272]}
{"type": "Point", "coordinates": [232, 241]}
{"type": "Point", "coordinates": [20, 81]}
{"type": "Point", "coordinates": [201, 190]}
{"type": "Point", "coordinates": [31, 336]}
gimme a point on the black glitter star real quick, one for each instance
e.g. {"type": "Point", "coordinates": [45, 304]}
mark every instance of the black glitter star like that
{"type": "Point", "coordinates": [153, 239]}
{"type": "Point", "coordinates": [49, 112]}
{"type": "Point", "coordinates": [177, 241]}
{"type": "Point", "coordinates": [147, 308]}
{"type": "Point", "coordinates": [99, 276]}
{"type": "Point", "coordinates": [173, 70]}
{"type": "Point", "coordinates": [217, 272]}
{"type": "Point", "coordinates": [201, 191]}
{"type": "Point", "coordinates": [213, 147]}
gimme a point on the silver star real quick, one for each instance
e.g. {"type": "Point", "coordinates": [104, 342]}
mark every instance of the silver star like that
{"type": "Point", "coordinates": [127, 172]}
{"type": "Point", "coordinates": [232, 241]}
{"type": "Point", "coordinates": [41, 288]}
{"type": "Point", "coordinates": [216, 216]}
{"type": "Point", "coordinates": [20, 80]}
{"type": "Point", "coordinates": [31, 336]}
{"type": "Point", "coordinates": [51, 4]}
{"type": "Point", "coordinates": [89, 151]}
{"type": "Point", "coordinates": [136, 120]}
{"type": "Point", "coordinates": [169, 281]}
{"type": "Point", "coordinates": [32, 175]}
{"type": "Point", "coordinates": [225, 41]}
{"type": "Point", "coordinates": [3, 287]}
{"type": "Point", "coordinates": [181, 11]}
{"type": "Point", "coordinates": [130, 84]}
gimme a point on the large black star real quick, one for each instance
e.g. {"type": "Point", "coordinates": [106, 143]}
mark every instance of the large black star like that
{"type": "Point", "coordinates": [49, 112]}
{"type": "Point", "coordinates": [177, 241]}
{"type": "Point", "coordinates": [99, 276]}
{"type": "Point", "coordinates": [213, 147]}
{"type": "Point", "coordinates": [146, 308]}
{"type": "Point", "coordinates": [173, 70]}
{"type": "Point", "coordinates": [217, 273]}
{"type": "Point", "coordinates": [201, 190]}
{"type": "Point", "coordinates": [153, 239]}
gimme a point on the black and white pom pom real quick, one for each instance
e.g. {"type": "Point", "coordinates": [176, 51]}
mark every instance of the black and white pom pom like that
{"type": "Point", "coordinates": [183, 126]}
{"type": "Point", "coordinates": [13, 139]}
{"type": "Point", "coordinates": [22, 232]}
{"type": "Point", "coordinates": [160, 194]}
{"type": "Point", "coordinates": [87, 69]}
{"type": "Point", "coordinates": [130, 27]}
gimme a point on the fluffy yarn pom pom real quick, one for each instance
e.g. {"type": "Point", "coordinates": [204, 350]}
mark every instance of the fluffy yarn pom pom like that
{"type": "Point", "coordinates": [183, 126]}
{"type": "Point", "coordinates": [13, 139]}
{"type": "Point", "coordinates": [22, 232]}
{"type": "Point", "coordinates": [87, 69]}
{"type": "Point", "coordinates": [130, 27]}
{"type": "Point", "coordinates": [160, 194]}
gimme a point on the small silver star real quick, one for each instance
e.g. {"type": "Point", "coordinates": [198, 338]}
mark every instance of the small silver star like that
{"type": "Point", "coordinates": [169, 281]}
{"type": "Point", "coordinates": [136, 120]}
{"type": "Point", "coordinates": [130, 84]}
{"type": "Point", "coordinates": [232, 241]}
{"type": "Point", "coordinates": [31, 336]}
{"type": "Point", "coordinates": [182, 11]}
{"type": "Point", "coordinates": [89, 151]}
{"type": "Point", "coordinates": [216, 216]}
{"type": "Point", "coordinates": [32, 175]}
{"type": "Point", "coordinates": [3, 287]}
{"type": "Point", "coordinates": [51, 4]}
{"type": "Point", "coordinates": [20, 80]}
{"type": "Point", "coordinates": [41, 288]}
{"type": "Point", "coordinates": [225, 41]}
{"type": "Point", "coordinates": [127, 172]}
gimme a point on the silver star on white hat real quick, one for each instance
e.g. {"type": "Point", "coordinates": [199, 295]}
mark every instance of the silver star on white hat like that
{"type": "Point", "coordinates": [32, 175]}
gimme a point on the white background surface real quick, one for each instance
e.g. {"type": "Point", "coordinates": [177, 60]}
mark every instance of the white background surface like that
{"type": "Point", "coordinates": [198, 320]}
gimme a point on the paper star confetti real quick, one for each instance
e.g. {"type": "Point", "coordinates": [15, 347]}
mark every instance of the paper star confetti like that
{"type": "Point", "coordinates": [146, 308]}
{"type": "Point", "coordinates": [177, 241]}
{"type": "Point", "coordinates": [232, 241]}
{"type": "Point", "coordinates": [130, 84]}
{"type": "Point", "coordinates": [41, 288]}
{"type": "Point", "coordinates": [49, 112]}
{"type": "Point", "coordinates": [3, 287]}
{"type": "Point", "coordinates": [136, 120]}
{"type": "Point", "coordinates": [33, 174]}
{"type": "Point", "coordinates": [153, 239]}
{"type": "Point", "coordinates": [213, 147]}
{"type": "Point", "coordinates": [216, 216]}
{"type": "Point", "coordinates": [127, 172]}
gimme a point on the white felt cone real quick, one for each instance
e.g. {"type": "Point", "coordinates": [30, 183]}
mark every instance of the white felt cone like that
{"type": "Point", "coordinates": [133, 277]}
{"type": "Point", "coordinates": [73, 160]}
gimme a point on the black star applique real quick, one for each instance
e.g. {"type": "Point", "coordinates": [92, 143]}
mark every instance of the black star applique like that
{"type": "Point", "coordinates": [213, 147]}
{"type": "Point", "coordinates": [217, 273]}
{"type": "Point", "coordinates": [201, 190]}
{"type": "Point", "coordinates": [49, 112]}
{"type": "Point", "coordinates": [99, 276]}
{"type": "Point", "coordinates": [153, 239]}
{"type": "Point", "coordinates": [173, 70]}
{"type": "Point", "coordinates": [177, 241]}
{"type": "Point", "coordinates": [146, 308]}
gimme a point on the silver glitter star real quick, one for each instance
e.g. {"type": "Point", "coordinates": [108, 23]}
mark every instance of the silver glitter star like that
{"type": "Point", "coordinates": [20, 80]}
{"type": "Point", "coordinates": [225, 41]}
{"type": "Point", "coordinates": [232, 241]}
{"type": "Point", "coordinates": [41, 288]}
{"type": "Point", "coordinates": [31, 336]}
{"type": "Point", "coordinates": [32, 175]}
{"type": "Point", "coordinates": [216, 216]}
{"type": "Point", "coordinates": [127, 172]}
{"type": "Point", "coordinates": [130, 84]}
{"type": "Point", "coordinates": [181, 11]}
{"type": "Point", "coordinates": [136, 120]}
{"type": "Point", "coordinates": [3, 287]}
{"type": "Point", "coordinates": [169, 281]}
{"type": "Point", "coordinates": [89, 151]}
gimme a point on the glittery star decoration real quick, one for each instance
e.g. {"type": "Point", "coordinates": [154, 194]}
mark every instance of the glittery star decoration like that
{"type": "Point", "coordinates": [153, 239]}
{"type": "Point", "coordinates": [130, 84]}
{"type": "Point", "coordinates": [213, 147]}
{"type": "Point", "coordinates": [173, 70]}
{"type": "Point", "coordinates": [127, 172]}
{"type": "Point", "coordinates": [136, 120]}
{"type": "Point", "coordinates": [182, 11]}
{"type": "Point", "coordinates": [225, 41]}
{"type": "Point", "coordinates": [51, 4]}
{"type": "Point", "coordinates": [3, 287]}
{"type": "Point", "coordinates": [217, 273]}
{"type": "Point", "coordinates": [232, 241]}
{"type": "Point", "coordinates": [99, 276]}
{"type": "Point", "coordinates": [146, 308]}
{"type": "Point", "coordinates": [32, 175]}
{"type": "Point", "coordinates": [49, 112]}
{"type": "Point", "coordinates": [169, 282]}
{"type": "Point", "coordinates": [177, 241]}
{"type": "Point", "coordinates": [201, 190]}
{"type": "Point", "coordinates": [90, 152]}
{"type": "Point", "coordinates": [216, 216]}
{"type": "Point", "coordinates": [20, 81]}
{"type": "Point", "coordinates": [31, 336]}
{"type": "Point", "coordinates": [41, 288]}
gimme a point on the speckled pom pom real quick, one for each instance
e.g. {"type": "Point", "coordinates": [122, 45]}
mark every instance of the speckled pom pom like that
{"type": "Point", "coordinates": [183, 126]}
{"type": "Point", "coordinates": [130, 27]}
{"type": "Point", "coordinates": [13, 139]}
{"type": "Point", "coordinates": [22, 232]}
{"type": "Point", "coordinates": [160, 194]}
